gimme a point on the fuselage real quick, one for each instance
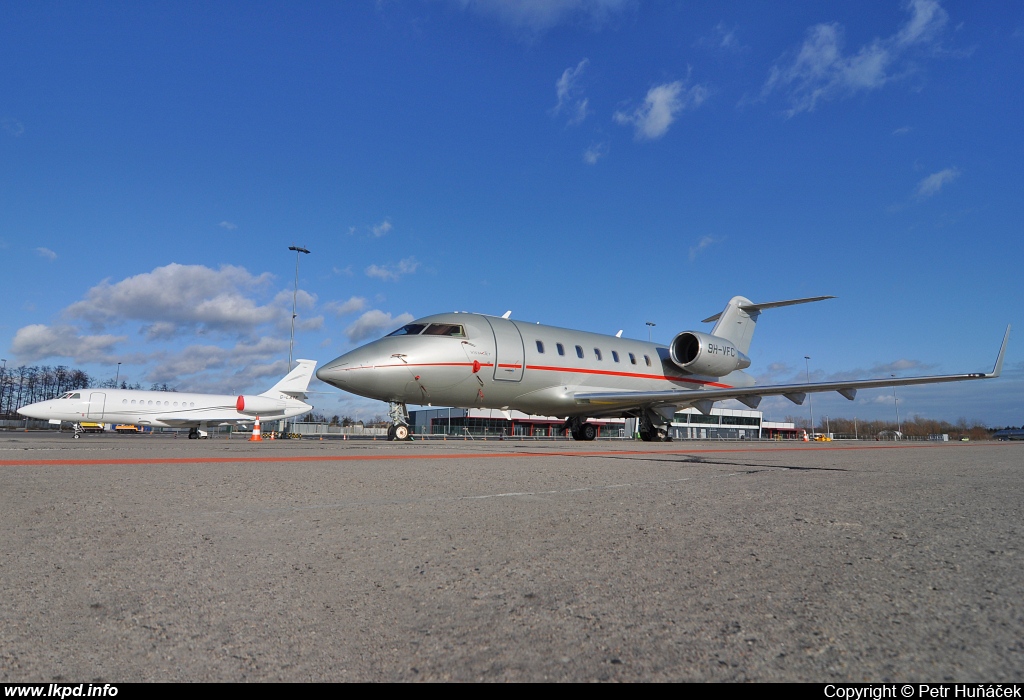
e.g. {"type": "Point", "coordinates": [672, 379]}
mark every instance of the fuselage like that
{"type": "Point", "coordinates": [156, 408]}
{"type": "Point", "coordinates": [472, 360]}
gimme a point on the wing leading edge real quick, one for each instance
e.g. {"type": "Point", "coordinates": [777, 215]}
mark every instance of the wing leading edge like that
{"type": "Point", "coordinates": [702, 399]}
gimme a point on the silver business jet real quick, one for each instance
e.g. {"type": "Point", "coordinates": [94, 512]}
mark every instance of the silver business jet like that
{"type": "Point", "coordinates": [477, 361]}
{"type": "Point", "coordinates": [172, 409]}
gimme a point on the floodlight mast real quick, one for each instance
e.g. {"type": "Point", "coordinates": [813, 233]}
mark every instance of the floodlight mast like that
{"type": "Point", "coordinates": [291, 342]}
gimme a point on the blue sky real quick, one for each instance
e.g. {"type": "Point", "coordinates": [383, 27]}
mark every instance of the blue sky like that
{"type": "Point", "coordinates": [590, 164]}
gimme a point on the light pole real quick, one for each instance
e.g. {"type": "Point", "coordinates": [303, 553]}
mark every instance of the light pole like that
{"type": "Point", "coordinates": [807, 366]}
{"type": "Point", "coordinates": [895, 402]}
{"type": "Point", "coordinates": [117, 375]}
{"type": "Point", "coordinates": [291, 343]}
{"type": "Point", "coordinates": [649, 327]}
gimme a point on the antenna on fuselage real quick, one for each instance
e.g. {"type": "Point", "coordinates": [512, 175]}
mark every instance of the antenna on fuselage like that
{"type": "Point", "coordinates": [619, 334]}
{"type": "Point", "coordinates": [507, 314]}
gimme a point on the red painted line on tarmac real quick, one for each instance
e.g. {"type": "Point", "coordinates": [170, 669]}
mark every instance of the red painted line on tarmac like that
{"type": "Point", "coordinates": [459, 455]}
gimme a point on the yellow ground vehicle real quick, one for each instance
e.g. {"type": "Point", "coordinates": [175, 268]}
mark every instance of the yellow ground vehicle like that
{"type": "Point", "coordinates": [822, 438]}
{"type": "Point", "coordinates": [127, 428]}
{"type": "Point", "coordinates": [91, 427]}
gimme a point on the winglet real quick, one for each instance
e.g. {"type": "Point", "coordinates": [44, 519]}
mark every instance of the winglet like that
{"type": "Point", "coordinates": [998, 369]}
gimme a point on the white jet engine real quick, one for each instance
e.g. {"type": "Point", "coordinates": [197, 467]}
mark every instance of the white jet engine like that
{"type": "Point", "coordinates": [259, 405]}
{"type": "Point", "coordinates": [700, 353]}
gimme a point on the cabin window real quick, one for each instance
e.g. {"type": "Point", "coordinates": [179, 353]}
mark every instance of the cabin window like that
{"type": "Point", "coordinates": [540, 347]}
{"type": "Point", "coordinates": [191, 405]}
{"type": "Point", "coordinates": [632, 359]}
{"type": "Point", "coordinates": [647, 360]}
{"type": "Point", "coordinates": [615, 355]}
{"type": "Point", "coordinates": [124, 401]}
{"type": "Point", "coordinates": [133, 402]}
{"type": "Point", "coordinates": [597, 353]}
{"type": "Point", "coordinates": [579, 352]}
{"type": "Point", "coordinates": [450, 329]}
{"type": "Point", "coordinates": [561, 348]}
{"type": "Point", "coordinates": [409, 329]}
{"type": "Point", "coordinates": [175, 404]}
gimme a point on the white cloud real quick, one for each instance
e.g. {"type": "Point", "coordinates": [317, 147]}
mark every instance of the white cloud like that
{"type": "Point", "coordinates": [820, 71]}
{"type": "Point", "coordinates": [662, 104]}
{"type": "Point", "coordinates": [46, 253]}
{"type": "Point", "coordinates": [198, 359]}
{"type": "Point", "coordinates": [185, 296]}
{"type": "Point", "coordinates": [570, 95]}
{"type": "Point", "coordinates": [375, 323]}
{"type": "Point", "coordinates": [896, 366]}
{"type": "Point", "coordinates": [901, 131]}
{"type": "Point", "coordinates": [36, 342]}
{"type": "Point", "coordinates": [381, 229]}
{"type": "Point", "coordinates": [540, 15]}
{"type": "Point", "coordinates": [391, 273]}
{"type": "Point", "coordinates": [595, 152]}
{"type": "Point", "coordinates": [343, 308]}
{"type": "Point", "coordinates": [935, 182]}
{"type": "Point", "coordinates": [13, 127]}
{"type": "Point", "coordinates": [721, 37]}
{"type": "Point", "coordinates": [228, 225]}
{"type": "Point", "coordinates": [701, 246]}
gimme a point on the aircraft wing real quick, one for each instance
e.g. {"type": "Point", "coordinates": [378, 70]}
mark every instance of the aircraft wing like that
{"type": "Point", "coordinates": [702, 399]}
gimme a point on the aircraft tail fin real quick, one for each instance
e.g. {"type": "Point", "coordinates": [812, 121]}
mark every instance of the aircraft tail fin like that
{"type": "Point", "coordinates": [736, 323]}
{"type": "Point", "coordinates": [295, 382]}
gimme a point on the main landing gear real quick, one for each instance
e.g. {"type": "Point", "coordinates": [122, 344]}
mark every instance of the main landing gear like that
{"type": "Point", "coordinates": [649, 432]}
{"type": "Point", "coordinates": [580, 429]}
{"type": "Point", "coordinates": [399, 415]}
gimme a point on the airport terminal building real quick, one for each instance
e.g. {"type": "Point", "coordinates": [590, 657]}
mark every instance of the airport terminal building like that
{"type": "Point", "coordinates": [689, 424]}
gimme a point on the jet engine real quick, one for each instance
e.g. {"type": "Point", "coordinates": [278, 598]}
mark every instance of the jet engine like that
{"type": "Point", "coordinates": [700, 353]}
{"type": "Point", "coordinates": [258, 405]}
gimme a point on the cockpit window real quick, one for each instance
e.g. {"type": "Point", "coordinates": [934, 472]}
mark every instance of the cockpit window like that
{"type": "Point", "coordinates": [449, 329]}
{"type": "Point", "coordinates": [71, 395]}
{"type": "Point", "coordinates": [410, 329]}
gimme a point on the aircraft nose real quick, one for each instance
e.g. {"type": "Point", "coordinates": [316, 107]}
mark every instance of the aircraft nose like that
{"type": "Point", "coordinates": [354, 371]}
{"type": "Point", "coordinates": [35, 410]}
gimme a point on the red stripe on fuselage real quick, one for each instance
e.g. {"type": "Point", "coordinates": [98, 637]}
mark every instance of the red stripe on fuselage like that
{"type": "Point", "coordinates": [546, 368]}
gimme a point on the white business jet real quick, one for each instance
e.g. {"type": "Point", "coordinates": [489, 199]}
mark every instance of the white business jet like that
{"type": "Point", "coordinates": [476, 361]}
{"type": "Point", "coordinates": [172, 409]}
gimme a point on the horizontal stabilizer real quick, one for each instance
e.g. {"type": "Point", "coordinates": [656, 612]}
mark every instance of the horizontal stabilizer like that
{"type": "Point", "coordinates": [751, 308]}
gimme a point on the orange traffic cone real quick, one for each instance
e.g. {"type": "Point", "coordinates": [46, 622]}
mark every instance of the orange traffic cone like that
{"type": "Point", "coordinates": [806, 439]}
{"type": "Point", "coordinates": [256, 435]}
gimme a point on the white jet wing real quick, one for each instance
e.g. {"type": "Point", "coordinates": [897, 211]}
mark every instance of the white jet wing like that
{"type": "Point", "coordinates": [702, 399]}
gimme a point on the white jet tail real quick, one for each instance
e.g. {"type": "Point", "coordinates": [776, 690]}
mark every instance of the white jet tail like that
{"type": "Point", "coordinates": [736, 323]}
{"type": "Point", "coordinates": [295, 382]}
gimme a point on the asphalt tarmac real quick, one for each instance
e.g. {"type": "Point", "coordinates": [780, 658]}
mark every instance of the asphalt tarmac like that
{"type": "Point", "coordinates": [145, 558]}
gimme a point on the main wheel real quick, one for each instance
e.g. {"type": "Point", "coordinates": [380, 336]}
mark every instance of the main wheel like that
{"type": "Point", "coordinates": [77, 436]}
{"type": "Point", "coordinates": [401, 432]}
{"type": "Point", "coordinates": [587, 432]}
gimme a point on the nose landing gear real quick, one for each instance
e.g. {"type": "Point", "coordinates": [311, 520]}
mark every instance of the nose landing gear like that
{"type": "Point", "coordinates": [399, 415]}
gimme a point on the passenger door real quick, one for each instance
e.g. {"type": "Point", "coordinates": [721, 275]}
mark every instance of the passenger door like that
{"type": "Point", "coordinates": [510, 356]}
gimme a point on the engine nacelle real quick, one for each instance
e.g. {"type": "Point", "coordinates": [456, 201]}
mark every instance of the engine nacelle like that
{"type": "Point", "coordinates": [700, 353]}
{"type": "Point", "coordinates": [259, 405]}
